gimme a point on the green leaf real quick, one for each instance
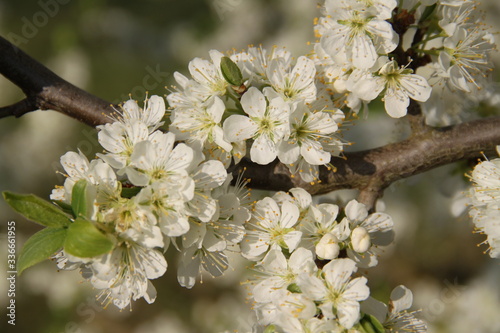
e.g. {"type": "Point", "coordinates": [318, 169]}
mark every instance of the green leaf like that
{"type": "Point", "coordinates": [79, 198]}
{"type": "Point", "coordinates": [371, 324]}
{"type": "Point", "coordinates": [231, 71]}
{"type": "Point", "coordinates": [294, 288]}
{"type": "Point", "coordinates": [36, 209]}
{"type": "Point", "coordinates": [129, 192]}
{"type": "Point", "coordinates": [40, 246]}
{"type": "Point", "coordinates": [64, 206]}
{"type": "Point", "coordinates": [427, 13]}
{"type": "Point", "coordinates": [84, 240]}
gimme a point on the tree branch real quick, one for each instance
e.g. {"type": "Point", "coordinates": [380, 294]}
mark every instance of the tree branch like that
{"type": "Point", "coordinates": [45, 90]}
{"type": "Point", "coordinates": [369, 171]}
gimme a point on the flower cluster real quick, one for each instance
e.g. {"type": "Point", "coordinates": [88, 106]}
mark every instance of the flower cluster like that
{"type": "Point", "coordinates": [150, 187]}
{"type": "Point", "coordinates": [144, 192]}
{"type": "Point", "coordinates": [358, 51]}
{"type": "Point", "coordinates": [265, 99]}
{"type": "Point", "coordinates": [355, 40]}
{"type": "Point", "coordinates": [485, 202]}
{"type": "Point", "coordinates": [287, 236]}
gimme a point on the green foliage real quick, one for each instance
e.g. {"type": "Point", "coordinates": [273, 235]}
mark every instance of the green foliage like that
{"type": "Point", "coordinates": [231, 72]}
{"type": "Point", "coordinates": [370, 324]}
{"type": "Point", "coordinates": [40, 246]}
{"type": "Point", "coordinates": [84, 240]}
{"type": "Point", "coordinates": [294, 288]}
{"type": "Point", "coordinates": [80, 199]}
{"type": "Point", "coordinates": [129, 192]}
{"type": "Point", "coordinates": [37, 210]}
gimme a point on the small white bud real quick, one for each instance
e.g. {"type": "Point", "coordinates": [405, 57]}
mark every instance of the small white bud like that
{"type": "Point", "coordinates": [360, 240]}
{"type": "Point", "coordinates": [340, 86]}
{"type": "Point", "coordinates": [328, 247]}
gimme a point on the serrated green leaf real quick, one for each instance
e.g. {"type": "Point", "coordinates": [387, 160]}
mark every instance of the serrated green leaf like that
{"type": "Point", "coordinates": [40, 246]}
{"type": "Point", "coordinates": [79, 198]}
{"type": "Point", "coordinates": [231, 72]}
{"type": "Point", "coordinates": [36, 209]}
{"type": "Point", "coordinates": [84, 240]}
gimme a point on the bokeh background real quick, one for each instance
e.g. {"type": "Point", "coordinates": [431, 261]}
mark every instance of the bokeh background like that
{"type": "Point", "coordinates": [116, 48]}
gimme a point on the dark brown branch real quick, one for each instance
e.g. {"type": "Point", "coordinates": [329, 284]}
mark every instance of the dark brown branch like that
{"type": "Point", "coordinates": [45, 90]}
{"type": "Point", "coordinates": [18, 109]}
{"type": "Point", "coordinates": [371, 171]}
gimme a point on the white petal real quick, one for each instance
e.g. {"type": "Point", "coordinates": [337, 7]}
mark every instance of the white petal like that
{"type": "Point", "coordinates": [292, 239]}
{"type": "Point", "coordinates": [364, 54]}
{"type": "Point", "coordinates": [269, 289]}
{"type": "Point", "coordinates": [416, 87]}
{"type": "Point", "coordinates": [348, 313]}
{"type": "Point", "coordinates": [338, 272]}
{"type": "Point", "coordinates": [401, 299]}
{"type": "Point", "coordinates": [356, 211]}
{"type": "Point", "coordinates": [301, 261]}
{"type": "Point", "coordinates": [396, 102]}
{"type": "Point", "coordinates": [155, 110]}
{"type": "Point", "coordinates": [254, 103]}
{"type": "Point", "coordinates": [263, 150]}
{"type": "Point", "coordinates": [288, 152]}
{"type": "Point", "coordinates": [154, 264]}
{"type": "Point", "coordinates": [180, 158]}
{"type": "Point", "coordinates": [313, 153]}
{"type": "Point", "coordinates": [238, 128]}
{"type": "Point", "coordinates": [289, 214]}
{"type": "Point", "coordinates": [274, 262]}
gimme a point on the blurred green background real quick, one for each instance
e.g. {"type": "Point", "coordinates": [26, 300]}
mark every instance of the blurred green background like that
{"type": "Point", "coordinates": [117, 48]}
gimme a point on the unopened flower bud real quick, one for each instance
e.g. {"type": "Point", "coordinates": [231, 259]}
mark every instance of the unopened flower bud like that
{"type": "Point", "coordinates": [328, 247]}
{"type": "Point", "coordinates": [360, 240]}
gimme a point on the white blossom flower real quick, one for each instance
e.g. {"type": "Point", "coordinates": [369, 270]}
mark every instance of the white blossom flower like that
{"type": "Point", "coordinates": [208, 74]}
{"type": "Point", "coordinates": [382, 9]}
{"type": "Point", "coordinates": [367, 231]}
{"type": "Point", "coordinates": [124, 274]}
{"type": "Point", "coordinates": [200, 123]}
{"type": "Point", "coordinates": [338, 294]}
{"type": "Point", "coordinates": [99, 175]}
{"type": "Point", "coordinates": [168, 204]}
{"type": "Point", "coordinates": [293, 312]}
{"type": "Point", "coordinates": [354, 33]}
{"type": "Point", "coordinates": [485, 199]}
{"type": "Point", "coordinates": [465, 57]}
{"type": "Point", "coordinates": [395, 318]}
{"type": "Point", "coordinates": [257, 61]}
{"type": "Point", "coordinates": [151, 115]}
{"type": "Point", "coordinates": [206, 176]}
{"type": "Point", "coordinates": [278, 273]}
{"type": "Point", "coordinates": [132, 126]}
{"type": "Point", "coordinates": [267, 125]}
{"type": "Point", "coordinates": [296, 85]}
{"type": "Point", "coordinates": [131, 221]}
{"type": "Point", "coordinates": [160, 161]}
{"type": "Point", "coordinates": [206, 243]}
{"type": "Point", "coordinates": [399, 85]}
{"type": "Point", "coordinates": [311, 136]}
{"type": "Point", "coordinates": [271, 226]}
{"type": "Point", "coordinates": [119, 140]}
